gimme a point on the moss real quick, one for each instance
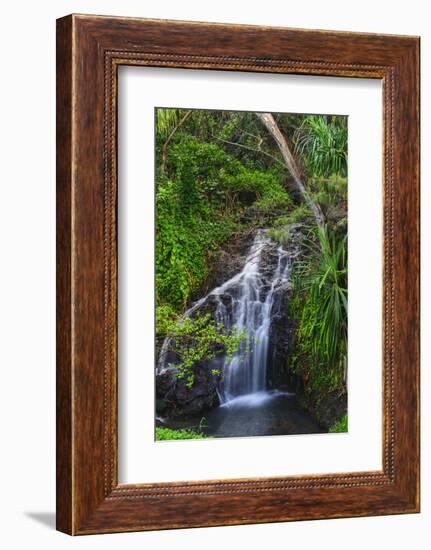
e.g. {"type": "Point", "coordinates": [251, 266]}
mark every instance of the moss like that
{"type": "Point", "coordinates": [340, 426]}
{"type": "Point", "coordinates": [167, 434]}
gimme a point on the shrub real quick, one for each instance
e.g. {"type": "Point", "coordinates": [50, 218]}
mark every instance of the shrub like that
{"type": "Point", "coordinates": [198, 206]}
{"type": "Point", "coordinates": [328, 191]}
{"type": "Point", "coordinates": [198, 339]}
{"type": "Point", "coordinates": [280, 230]}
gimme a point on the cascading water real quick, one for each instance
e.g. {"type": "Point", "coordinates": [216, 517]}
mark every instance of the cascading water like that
{"type": "Point", "coordinates": [253, 301]}
{"type": "Point", "coordinates": [246, 302]}
{"type": "Point", "coordinates": [251, 294]}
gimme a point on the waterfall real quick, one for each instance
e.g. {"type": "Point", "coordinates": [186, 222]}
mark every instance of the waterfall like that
{"type": "Point", "coordinates": [252, 300]}
{"type": "Point", "coordinates": [246, 302]}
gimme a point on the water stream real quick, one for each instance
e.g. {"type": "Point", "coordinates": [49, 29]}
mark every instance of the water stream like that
{"type": "Point", "coordinates": [248, 301]}
{"type": "Point", "coordinates": [245, 302]}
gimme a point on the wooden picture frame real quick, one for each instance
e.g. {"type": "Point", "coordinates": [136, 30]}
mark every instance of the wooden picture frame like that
{"type": "Point", "coordinates": [89, 52]}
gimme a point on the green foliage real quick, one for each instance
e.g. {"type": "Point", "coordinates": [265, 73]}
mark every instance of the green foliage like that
{"type": "Point", "coordinates": [278, 234]}
{"type": "Point", "coordinates": [166, 119]}
{"type": "Point", "coordinates": [340, 426]}
{"type": "Point", "coordinates": [165, 434]}
{"type": "Point", "coordinates": [272, 196]}
{"type": "Point", "coordinates": [198, 205]}
{"type": "Point", "coordinates": [281, 226]}
{"type": "Point", "coordinates": [165, 317]}
{"type": "Point", "coordinates": [281, 221]}
{"type": "Point", "coordinates": [328, 191]}
{"type": "Point", "coordinates": [325, 313]}
{"type": "Point", "coordinates": [200, 339]}
{"type": "Point", "coordinates": [299, 214]}
{"type": "Point", "coordinates": [188, 221]}
{"type": "Point", "coordinates": [321, 285]}
{"type": "Point", "coordinates": [218, 173]}
{"type": "Point", "coordinates": [321, 142]}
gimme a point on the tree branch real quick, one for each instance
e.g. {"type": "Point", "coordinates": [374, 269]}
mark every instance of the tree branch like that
{"type": "Point", "coordinates": [289, 161]}
{"type": "Point", "coordinates": [250, 149]}
{"type": "Point", "coordinates": [170, 136]}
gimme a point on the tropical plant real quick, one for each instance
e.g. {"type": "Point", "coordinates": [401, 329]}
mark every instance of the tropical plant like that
{"type": "Point", "coordinates": [166, 120]}
{"type": "Point", "coordinates": [323, 323]}
{"type": "Point", "coordinates": [321, 142]}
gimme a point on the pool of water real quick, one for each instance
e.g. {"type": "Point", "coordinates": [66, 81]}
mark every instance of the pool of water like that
{"type": "Point", "coordinates": [256, 414]}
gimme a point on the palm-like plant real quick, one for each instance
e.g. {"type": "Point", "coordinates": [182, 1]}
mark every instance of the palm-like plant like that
{"type": "Point", "coordinates": [321, 142]}
{"type": "Point", "coordinates": [323, 284]}
{"type": "Point", "coordinates": [166, 120]}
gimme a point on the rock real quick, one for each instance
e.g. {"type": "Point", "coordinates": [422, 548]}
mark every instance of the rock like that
{"type": "Point", "coordinates": [327, 409]}
{"type": "Point", "coordinates": [281, 344]}
{"type": "Point", "coordinates": [268, 262]}
{"type": "Point", "coordinates": [211, 303]}
{"type": "Point", "coordinates": [175, 399]}
{"type": "Point", "coordinates": [227, 261]}
{"type": "Point", "coordinates": [337, 212]}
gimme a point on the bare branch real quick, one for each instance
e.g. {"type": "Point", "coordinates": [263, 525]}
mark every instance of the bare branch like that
{"type": "Point", "coordinates": [170, 136]}
{"type": "Point", "coordinates": [290, 163]}
{"type": "Point", "coordinates": [249, 148]}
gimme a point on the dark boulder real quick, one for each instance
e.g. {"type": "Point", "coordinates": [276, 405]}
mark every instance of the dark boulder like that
{"type": "Point", "coordinates": [226, 262]}
{"type": "Point", "coordinates": [282, 337]}
{"type": "Point", "coordinates": [175, 399]}
{"type": "Point", "coordinates": [327, 408]}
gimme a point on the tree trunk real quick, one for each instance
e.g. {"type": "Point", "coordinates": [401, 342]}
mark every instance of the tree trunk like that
{"type": "Point", "coordinates": [272, 127]}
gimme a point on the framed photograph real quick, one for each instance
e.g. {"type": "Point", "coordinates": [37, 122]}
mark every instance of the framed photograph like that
{"type": "Point", "coordinates": [237, 274]}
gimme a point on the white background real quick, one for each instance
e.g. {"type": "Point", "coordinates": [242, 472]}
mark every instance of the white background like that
{"type": "Point", "coordinates": [141, 458]}
{"type": "Point", "coordinates": [27, 120]}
